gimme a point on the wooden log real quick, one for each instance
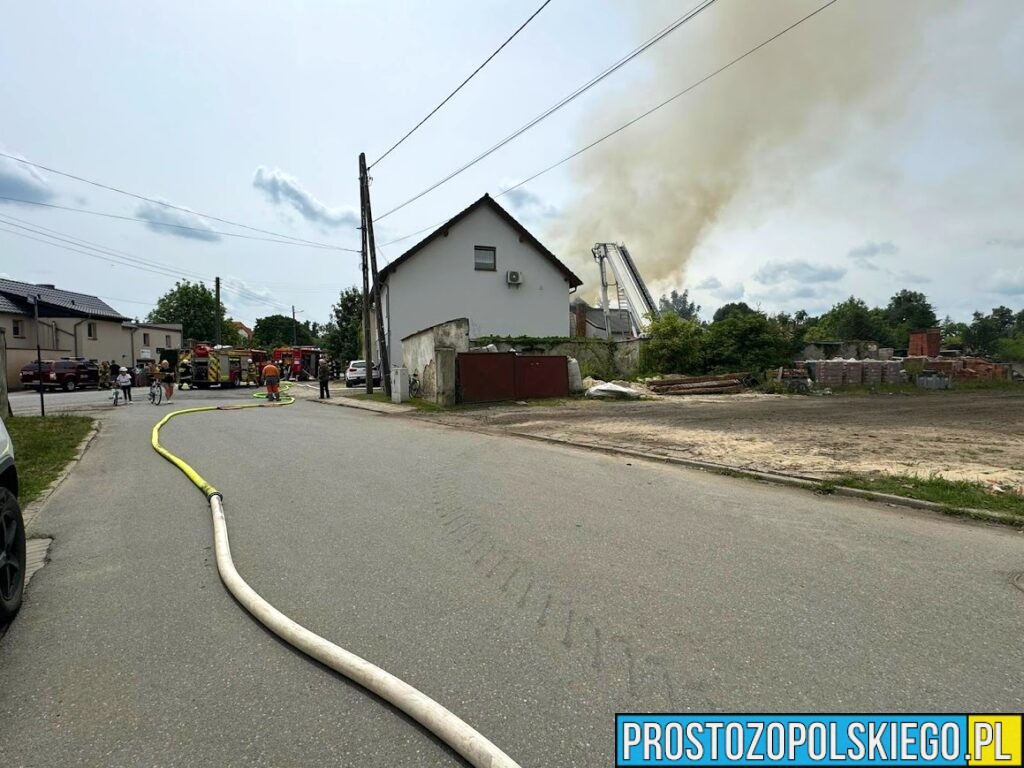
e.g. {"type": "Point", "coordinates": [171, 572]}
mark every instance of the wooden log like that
{"type": "Point", "coordinates": [679, 380]}
{"type": "Point", "coordinates": [725, 390]}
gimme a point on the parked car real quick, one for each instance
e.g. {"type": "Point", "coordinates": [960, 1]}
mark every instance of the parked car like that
{"type": "Point", "coordinates": [67, 373]}
{"type": "Point", "coordinates": [12, 533]}
{"type": "Point", "coordinates": [355, 374]}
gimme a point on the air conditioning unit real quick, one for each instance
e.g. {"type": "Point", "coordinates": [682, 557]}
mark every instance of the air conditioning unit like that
{"type": "Point", "coordinates": [514, 277]}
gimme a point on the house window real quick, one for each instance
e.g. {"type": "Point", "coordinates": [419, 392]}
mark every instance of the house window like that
{"type": "Point", "coordinates": [145, 339]}
{"type": "Point", "coordinates": [90, 329]}
{"type": "Point", "coordinates": [484, 259]}
{"type": "Point", "coordinates": [18, 327]}
{"type": "Point", "coordinates": [167, 341]}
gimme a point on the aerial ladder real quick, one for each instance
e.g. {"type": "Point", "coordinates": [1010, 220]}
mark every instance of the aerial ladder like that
{"type": "Point", "coordinates": [631, 289]}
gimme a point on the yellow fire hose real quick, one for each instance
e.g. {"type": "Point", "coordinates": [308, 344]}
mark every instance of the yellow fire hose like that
{"type": "Point", "coordinates": [448, 727]}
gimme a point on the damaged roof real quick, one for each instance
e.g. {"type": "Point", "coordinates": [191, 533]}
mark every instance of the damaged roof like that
{"type": "Point", "coordinates": [509, 219]}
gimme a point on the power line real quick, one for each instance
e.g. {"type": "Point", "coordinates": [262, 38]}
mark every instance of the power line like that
{"type": "Point", "coordinates": [611, 69]}
{"type": "Point", "coordinates": [121, 258]}
{"type": "Point", "coordinates": [641, 116]}
{"type": "Point", "coordinates": [463, 83]}
{"type": "Point", "coordinates": [166, 224]}
{"type": "Point", "coordinates": [161, 202]}
{"type": "Point", "coordinates": [669, 100]}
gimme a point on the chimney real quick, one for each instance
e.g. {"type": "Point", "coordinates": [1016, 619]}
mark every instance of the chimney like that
{"type": "Point", "coordinates": [581, 318]}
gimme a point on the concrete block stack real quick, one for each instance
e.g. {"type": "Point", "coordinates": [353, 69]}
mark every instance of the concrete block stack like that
{"type": "Point", "coordinates": [872, 372]}
{"type": "Point", "coordinates": [891, 372]}
{"type": "Point", "coordinates": [829, 373]}
{"type": "Point", "coordinates": [853, 373]}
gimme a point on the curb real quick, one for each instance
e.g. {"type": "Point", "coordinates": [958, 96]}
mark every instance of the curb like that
{"type": "Point", "coordinates": [362, 405]}
{"type": "Point", "coordinates": [780, 478]}
{"type": "Point", "coordinates": [32, 511]}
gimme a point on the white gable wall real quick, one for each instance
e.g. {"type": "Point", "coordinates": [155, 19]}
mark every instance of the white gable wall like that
{"type": "Point", "coordinates": [439, 283]}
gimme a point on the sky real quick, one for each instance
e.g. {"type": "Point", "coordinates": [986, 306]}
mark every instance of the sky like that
{"type": "Point", "coordinates": [876, 146]}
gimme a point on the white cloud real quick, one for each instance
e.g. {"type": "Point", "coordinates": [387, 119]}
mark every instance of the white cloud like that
{"type": "Point", "coordinates": [24, 182]}
{"type": "Point", "coordinates": [721, 291]}
{"type": "Point", "coordinates": [864, 255]}
{"type": "Point", "coordinates": [283, 189]}
{"type": "Point", "coordinates": [172, 221]}
{"type": "Point", "coordinates": [529, 205]}
{"type": "Point", "coordinates": [1009, 282]}
{"type": "Point", "coordinates": [798, 270]}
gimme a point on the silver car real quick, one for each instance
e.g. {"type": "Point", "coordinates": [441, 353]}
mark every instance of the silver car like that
{"type": "Point", "coordinates": [12, 533]}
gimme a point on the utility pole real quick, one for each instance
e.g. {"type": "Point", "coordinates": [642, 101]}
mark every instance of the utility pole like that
{"type": "Point", "coordinates": [39, 357]}
{"type": "Point", "coordinates": [367, 349]}
{"type": "Point", "coordinates": [382, 344]}
{"type": "Point", "coordinates": [216, 316]}
{"type": "Point", "coordinates": [295, 329]}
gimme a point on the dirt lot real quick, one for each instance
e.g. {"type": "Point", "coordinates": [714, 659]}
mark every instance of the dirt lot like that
{"type": "Point", "coordinates": [975, 435]}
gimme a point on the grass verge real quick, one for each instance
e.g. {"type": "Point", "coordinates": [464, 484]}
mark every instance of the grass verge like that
{"type": "Point", "coordinates": [42, 448]}
{"type": "Point", "coordinates": [415, 402]}
{"type": "Point", "coordinates": [953, 494]}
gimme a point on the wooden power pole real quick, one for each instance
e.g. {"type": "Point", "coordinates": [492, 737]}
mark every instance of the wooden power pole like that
{"type": "Point", "coordinates": [382, 342]}
{"type": "Point", "coordinates": [216, 313]}
{"type": "Point", "coordinates": [367, 344]}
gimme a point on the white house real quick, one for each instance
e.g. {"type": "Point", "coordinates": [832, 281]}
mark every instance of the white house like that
{"type": "Point", "coordinates": [483, 265]}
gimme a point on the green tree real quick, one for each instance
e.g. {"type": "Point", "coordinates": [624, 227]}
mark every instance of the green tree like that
{"type": "Point", "coordinates": [734, 307]}
{"type": "Point", "coordinates": [746, 341]}
{"type": "Point", "coordinates": [680, 304]}
{"type": "Point", "coordinates": [195, 307]}
{"type": "Point", "coordinates": [280, 331]}
{"type": "Point", "coordinates": [851, 320]}
{"type": "Point", "coordinates": [342, 336]}
{"type": "Point", "coordinates": [673, 345]}
{"type": "Point", "coordinates": [910, 308]}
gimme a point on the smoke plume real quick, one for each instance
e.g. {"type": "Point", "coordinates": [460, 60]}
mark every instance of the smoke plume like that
{"type": "Point", "coordinates": [759, 128]}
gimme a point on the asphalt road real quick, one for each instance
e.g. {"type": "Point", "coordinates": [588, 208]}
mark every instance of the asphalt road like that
{"type": "Point", "coordinates": [533, 590]}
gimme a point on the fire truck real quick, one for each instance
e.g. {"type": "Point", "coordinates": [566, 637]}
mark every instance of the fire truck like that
{"type": "Point", "coordinates": [224, 366]}
{"type": "Point", "coordinates": [297, 362]}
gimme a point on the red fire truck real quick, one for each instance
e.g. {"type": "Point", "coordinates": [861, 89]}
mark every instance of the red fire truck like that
{"type": "Point", "coordinates": [297, 362]}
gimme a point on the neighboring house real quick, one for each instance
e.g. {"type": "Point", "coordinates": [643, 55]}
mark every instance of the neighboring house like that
{"type": "Point", "coordinates": [73, 325]}
{"type": "Point", "coordinates": [483, 265]}
{"type": "Point", "coordinates": [588, 321]}
{"type": "Point", "coordinates": [244, 330]}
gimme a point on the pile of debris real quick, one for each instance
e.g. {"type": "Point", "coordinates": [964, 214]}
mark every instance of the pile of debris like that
{"type": "Point", "coordinates": [720, 384]}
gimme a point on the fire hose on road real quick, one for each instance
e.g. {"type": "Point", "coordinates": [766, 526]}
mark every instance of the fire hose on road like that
{"type": "Point", "coordinates": [448, 727]}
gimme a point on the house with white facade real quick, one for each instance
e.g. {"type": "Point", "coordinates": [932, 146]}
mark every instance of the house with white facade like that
{"type": "Point", "coordinates": [481, 264]}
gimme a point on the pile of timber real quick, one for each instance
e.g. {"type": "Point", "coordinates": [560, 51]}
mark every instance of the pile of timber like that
{"type": "Point", "coordinates": [721, 384]}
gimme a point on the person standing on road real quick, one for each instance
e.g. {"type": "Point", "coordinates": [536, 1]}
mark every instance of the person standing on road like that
{"type": "Point", "coordinates": [104, 375]}
{"type": "Point", "coordinates": [124, 381]}
{"type": "Point", "coordinates": [167, 379]}
{"type": "Point", "coordinates": [323, 372]}
{"type": "Point", "coordinates": [272, 378]}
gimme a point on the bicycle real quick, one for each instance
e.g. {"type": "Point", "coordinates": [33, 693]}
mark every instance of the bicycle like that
{"type": "Point", "coordinates": [116, 395]}
{"type": "Point", "coordinates": [156, 392]}
{"type": "Point", "coordinates": [415, 387]}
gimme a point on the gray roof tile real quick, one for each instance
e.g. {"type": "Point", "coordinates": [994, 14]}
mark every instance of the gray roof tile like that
{"type": "Point", "coordinates": [79, 303]}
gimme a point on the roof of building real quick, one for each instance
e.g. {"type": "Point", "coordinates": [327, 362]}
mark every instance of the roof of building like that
{"type": "Point", "coordinates": [488, 201]}
{"type": "Point", "coordinates": [18, 293]}
{"type": "Point", "coordinates": [620, 319]}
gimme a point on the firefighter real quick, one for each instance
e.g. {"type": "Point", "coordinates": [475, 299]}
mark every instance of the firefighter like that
{"type": "Point", "coordinates": [251, 374]}
{"type": "Point", "coordinates": [272, 378]}
{"type": "Point", "coordinates": [185, 374]}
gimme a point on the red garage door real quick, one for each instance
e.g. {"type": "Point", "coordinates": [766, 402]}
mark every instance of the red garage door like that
{"type": "Point", "coordinates": [486, 377]}
{"type": "Point", "coordinates": [541, 376]}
